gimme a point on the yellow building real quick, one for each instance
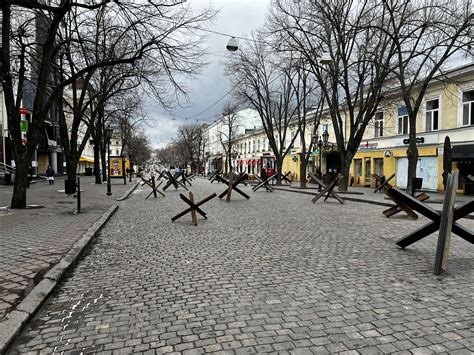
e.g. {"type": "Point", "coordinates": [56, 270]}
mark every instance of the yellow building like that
{"type": "Point", "coordinates": [447, 110]}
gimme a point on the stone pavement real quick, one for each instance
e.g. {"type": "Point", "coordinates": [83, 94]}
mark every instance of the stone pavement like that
{"type": "Point", "coordinates": [275, 273]}
{"type": "Point", "coordinates": [34, 240]}
{"type": "Point", "coordinates": [366, 194]}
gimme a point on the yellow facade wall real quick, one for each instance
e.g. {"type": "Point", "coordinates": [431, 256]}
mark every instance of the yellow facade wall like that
{"type": "Point", "coordinates": [389, 163]}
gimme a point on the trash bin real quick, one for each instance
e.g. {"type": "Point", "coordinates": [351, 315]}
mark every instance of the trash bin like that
{"type": "Point", "coordinates": [88, 171]}
{"type": "Point", "coordinates": [417, 184]}
{"type": "Point", "coordinates": [69, 187]}
{"type": "Point", "coordinates": [8, 179]}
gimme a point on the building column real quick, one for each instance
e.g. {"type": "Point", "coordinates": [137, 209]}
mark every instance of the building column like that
{"type": "Point", "coordinates": [53, 161]}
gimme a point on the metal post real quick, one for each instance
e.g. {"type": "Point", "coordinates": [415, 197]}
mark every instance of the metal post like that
{"type": "Point", "coordinates": [109, 190]}
{"type": "Point", "coordinates": [130, 168]}
{"type": "Point", "coordinates": [78, 195]}
{"type": "Point", "coordinates": [320, 146]}
{"type": "Point", "coordinates": [123, 171]}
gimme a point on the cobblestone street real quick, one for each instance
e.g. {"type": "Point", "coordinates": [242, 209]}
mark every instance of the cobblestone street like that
{"type": "Point", "coordinates": [33, 240]}
{"type": "Point", "coordinates": [275, 273]}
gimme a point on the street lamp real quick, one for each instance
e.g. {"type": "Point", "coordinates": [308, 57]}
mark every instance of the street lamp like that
{"type": "Point", "coordinates": [232, 45]}
{"type": "Point", "coordinates": [108, 136]}
{"type": "Point", "coordinates": [321, 143]}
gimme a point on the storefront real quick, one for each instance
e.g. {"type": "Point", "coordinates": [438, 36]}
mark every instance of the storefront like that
{"type": "Point", "coordinates": [463, 157]}
{"type": "Point", "coordinates": [394, 161]}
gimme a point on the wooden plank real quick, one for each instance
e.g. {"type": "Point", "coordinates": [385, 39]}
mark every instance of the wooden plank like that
{"type": "Point", "coordinates": [396, 209]}
{"type": "Point", "coordinates": [399, 196]}
{"type": "Point", "coordinates": [229, 189]}
{"type": "Point", "coordinates": [445, 226]}
{"type": "Point", "coordinates": [193, 211]}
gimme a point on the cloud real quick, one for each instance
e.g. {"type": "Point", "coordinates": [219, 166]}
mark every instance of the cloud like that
{"type": "Point", "coordinates": [236, 17]}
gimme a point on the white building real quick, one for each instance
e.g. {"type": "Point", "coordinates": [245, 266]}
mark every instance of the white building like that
{"type": "Point", "coordinates": [216, 136]}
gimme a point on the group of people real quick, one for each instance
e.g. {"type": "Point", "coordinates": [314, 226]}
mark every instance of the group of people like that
{"type": "Point", "coordinates": [49, 175]}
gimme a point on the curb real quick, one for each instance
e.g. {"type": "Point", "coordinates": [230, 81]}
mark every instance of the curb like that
{"type": "Point", "coordinates": [129, 192]}
{"type": "Point", "coordinates": [354, 199]}
{"type": "Point", "coordinates": [16, 319]}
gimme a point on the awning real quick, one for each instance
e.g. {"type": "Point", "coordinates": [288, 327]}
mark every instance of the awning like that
{"type": "Point", "coordinates": [86, 159]}
{"type": "Point", "coordinates": [460, 152]}
{"type": "Point", "coordinates": [255, 161]}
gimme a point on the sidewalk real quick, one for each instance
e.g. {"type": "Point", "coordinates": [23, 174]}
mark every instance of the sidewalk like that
{"type": "Point", "coordinates": [33, 240]}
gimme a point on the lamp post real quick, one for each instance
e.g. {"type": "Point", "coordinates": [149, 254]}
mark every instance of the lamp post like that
{"type": "Point", "coordinates": [108, 136]}
{"type": "Point", "coordinates": [321, 143]}
{"type": "Point", "coordinates": [131, 165]}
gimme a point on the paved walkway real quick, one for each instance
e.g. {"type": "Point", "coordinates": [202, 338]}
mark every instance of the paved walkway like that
{"type": "Point", "coordinates": [33, 240]}
{"type": "Point", "coordinates": [275, 273]}
{"type": "Point", "coordinates": [366, 194]}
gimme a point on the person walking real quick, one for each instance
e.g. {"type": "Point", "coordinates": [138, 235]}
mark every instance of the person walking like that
{"type": "Point", "coordinates": [50, 175]}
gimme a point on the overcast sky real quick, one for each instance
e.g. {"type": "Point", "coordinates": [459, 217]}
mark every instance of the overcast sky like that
{"type": "Point", "coordinates": [236, 17]}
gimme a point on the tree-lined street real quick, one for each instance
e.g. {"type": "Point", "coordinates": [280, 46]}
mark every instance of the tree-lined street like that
{"type": "Point", "coordinates": [275, 273]}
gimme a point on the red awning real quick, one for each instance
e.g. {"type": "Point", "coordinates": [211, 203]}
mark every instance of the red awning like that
{"type": "Point", "coordinates": [255, 161]}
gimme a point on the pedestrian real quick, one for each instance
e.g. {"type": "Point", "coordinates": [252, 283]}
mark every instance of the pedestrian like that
{"type": "Point", "coordinates": [50, 175]}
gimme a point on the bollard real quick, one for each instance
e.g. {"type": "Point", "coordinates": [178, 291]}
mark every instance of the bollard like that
{"type": "Point", "coordinates": [154, 186]}
{"type": "Point", "coordinates": [78, 195]}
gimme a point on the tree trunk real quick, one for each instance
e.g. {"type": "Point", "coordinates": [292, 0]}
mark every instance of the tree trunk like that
{"type": "Point", "coordinates": [279, 167]}
{"type": "Point", "coordinates": [98, 179]}
{"type": "Point", "coordinates": [412, 154]}
{"type": "Point", "coordinates": [103, 158]}
{"type": "Point", "coordinates": [303, 165]}
{"type": "Point", "coordinates": [345, 172]}
{"type": "Point", "coordinates": [71, 169]}
{"type": "Point", "coordinates": [21, 181]}
{"type": "Point", "coordinates": [344, 178]}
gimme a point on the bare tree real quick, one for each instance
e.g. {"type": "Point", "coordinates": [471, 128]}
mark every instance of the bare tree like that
{"type": "Point", "coordinates": [141, 147]}
{"type": "Point", "coordinates": [191, 136]}
{"type": "Point", "coordinates": [266, 85]}
{"type": "Point", "coordinates": [359, 57]}
{"type": "Point", "coordinates": [425, 34]}
{"type": "Point", "coordinates": [230, 125]}
{"type": "Point", "coordinates": [172, 155]}
{"type": "Point", "coordinates": [309, 109]}
{"type": "Point", "coordinates": [164, 32]}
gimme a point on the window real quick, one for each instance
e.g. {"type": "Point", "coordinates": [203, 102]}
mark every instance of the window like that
{"type": "Point", "coordinates": [432, 115]}
{"type": "Point", "coordinates": [253, 146]}
{"type": "Point", "coordinates": [116, 152]}
{"type": "Point", "coordinates": [402, 120]}
{"type": "Point", "coordinates": [358, 167]}
{"type": "Point", "coordinates": [245, 151]}
{"type": "Point", "coordinates": [468, 108]}
{"type": "Point", "coordinates": [258, 145]}
{"type": "Point", "coordinates": [325, 127]}
{"type": "Point", "coordinates": [379, 124]}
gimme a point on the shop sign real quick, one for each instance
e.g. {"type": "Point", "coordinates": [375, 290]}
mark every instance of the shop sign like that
{"type": "Point", "coordinates": [116, 167]}
{"type": "Point", "coordinates": [368, 146]}
{"type": "Point", "coordinates": [23, 129]}
{"type": "Point", "coordinates": [418, 140]}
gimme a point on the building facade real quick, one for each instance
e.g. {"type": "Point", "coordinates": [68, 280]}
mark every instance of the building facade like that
{"type": "Point", "coordinates": [447, 110]}
{"type": "Point", "coordinates": [216, 137]}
